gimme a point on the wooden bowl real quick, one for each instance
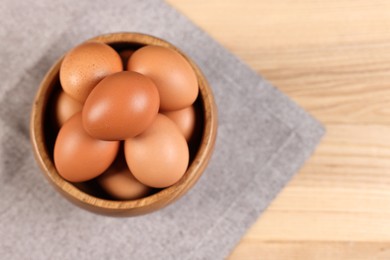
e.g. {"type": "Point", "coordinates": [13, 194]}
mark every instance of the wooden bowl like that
{"type": "Point", "coordinates": [43, 138]}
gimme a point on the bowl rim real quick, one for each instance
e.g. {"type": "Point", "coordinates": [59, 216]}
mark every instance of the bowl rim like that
{"type": "Point", "coordinates": [141, 205]}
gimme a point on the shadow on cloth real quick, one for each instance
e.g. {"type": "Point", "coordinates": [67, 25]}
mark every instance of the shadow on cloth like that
{"type": "Point", "coordinates": [15, 115]}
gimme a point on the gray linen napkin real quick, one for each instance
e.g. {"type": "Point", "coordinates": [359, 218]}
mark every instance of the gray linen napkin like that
{"type": "Point", "coordinates": [263, 139]}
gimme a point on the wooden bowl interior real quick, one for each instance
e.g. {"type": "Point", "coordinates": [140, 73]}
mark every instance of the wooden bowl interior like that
{"type": "Point", "coordinates": [89, 195]}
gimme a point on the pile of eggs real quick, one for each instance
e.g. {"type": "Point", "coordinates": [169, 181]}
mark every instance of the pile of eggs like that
{"type": "Point", "coordinates": [125, 118]}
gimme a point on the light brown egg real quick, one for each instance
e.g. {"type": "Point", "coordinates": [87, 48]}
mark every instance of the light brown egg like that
{"type": "Point", "coordinates": [174, 77]}
{"type": "Point", "coordinates": [79, 157]}
{"type": "Point", "coordinates": [121, 106]}
{"type": "Point", "coordinates": [125, 56]}
{"type": "Point", "coordinates": [65, 108]}
{"type": "Point", "coordinates": [159, 156]}
{"type": "Point", "coordinates": [185, 119]}
{"type": "Point", "coordinates": [85, 65]}
{"type": "Point", "coordinates": [120, 183]}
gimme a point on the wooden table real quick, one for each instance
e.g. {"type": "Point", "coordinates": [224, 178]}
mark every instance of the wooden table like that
{"type": "Point", "coordinates": [333, 59]}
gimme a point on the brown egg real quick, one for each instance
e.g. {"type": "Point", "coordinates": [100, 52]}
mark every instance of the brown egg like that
{"type": "Point", "coordinates": [65, 108]}
{"type": "Point", "coordinates": [174, 77]}
{"type": "Point", "coordinates": [120, 183]}
{"type": "Point", "coordinates": [185, 119]}
{"type": "Point", "coordinates": [125, 56]}
{"type": "Point", "coordinates": [121, 106]}
{"type": "Point", "coordinates": [85, 65]}
{"type": "Point", "coordinates": [159, 156]}
{"type": "Point", "coordinates": [79, 157]}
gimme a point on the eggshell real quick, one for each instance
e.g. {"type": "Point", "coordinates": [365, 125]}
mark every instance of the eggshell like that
{"type": "Point", "coordinates": [120, 183]}
{"type": "Point", "coordinates": [65, 108]}
{"type": "Point", "coordinates": [85, 65]}
{"type": "Point", "coordinates": [174, 77]}
{"type": "Point", "coordinates": [185, 119]}
{"type": "Point", "coordinates": [125, 56]}
{"type": "Point", "coordinates": [79, 157]}
{"type": "Point", "coordinates": [159, 156]}
{"type": "Point", "coordinates": [121, 106]}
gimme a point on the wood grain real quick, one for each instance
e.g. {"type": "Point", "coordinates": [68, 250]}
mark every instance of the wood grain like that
{"type": "Point", "coordinates": [333, 59]}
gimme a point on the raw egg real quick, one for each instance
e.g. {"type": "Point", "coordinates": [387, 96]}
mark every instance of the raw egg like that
{"type": "Point", "coordinates": [120, 183]}
{"type": "Point", "coordinates": [159, 156]}
{"type": "Point", "coordinates": [174, 77]}
{"type": "Point", "coordinates": [185, 119]}
{"type": "Point", "coordinates": [125, 56]}
{"type": "Point", "coordinates": [79, 157]}
{"type": "Point", "coordinates": [85, 65]}
{"type": "Point", "coordinates": [65, 108]}
{"type": "Point", "coordinates": [121, 106]}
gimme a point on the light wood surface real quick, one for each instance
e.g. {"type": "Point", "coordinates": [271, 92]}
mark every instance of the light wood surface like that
{"type": "Point", "coordinates": [333, 59]}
